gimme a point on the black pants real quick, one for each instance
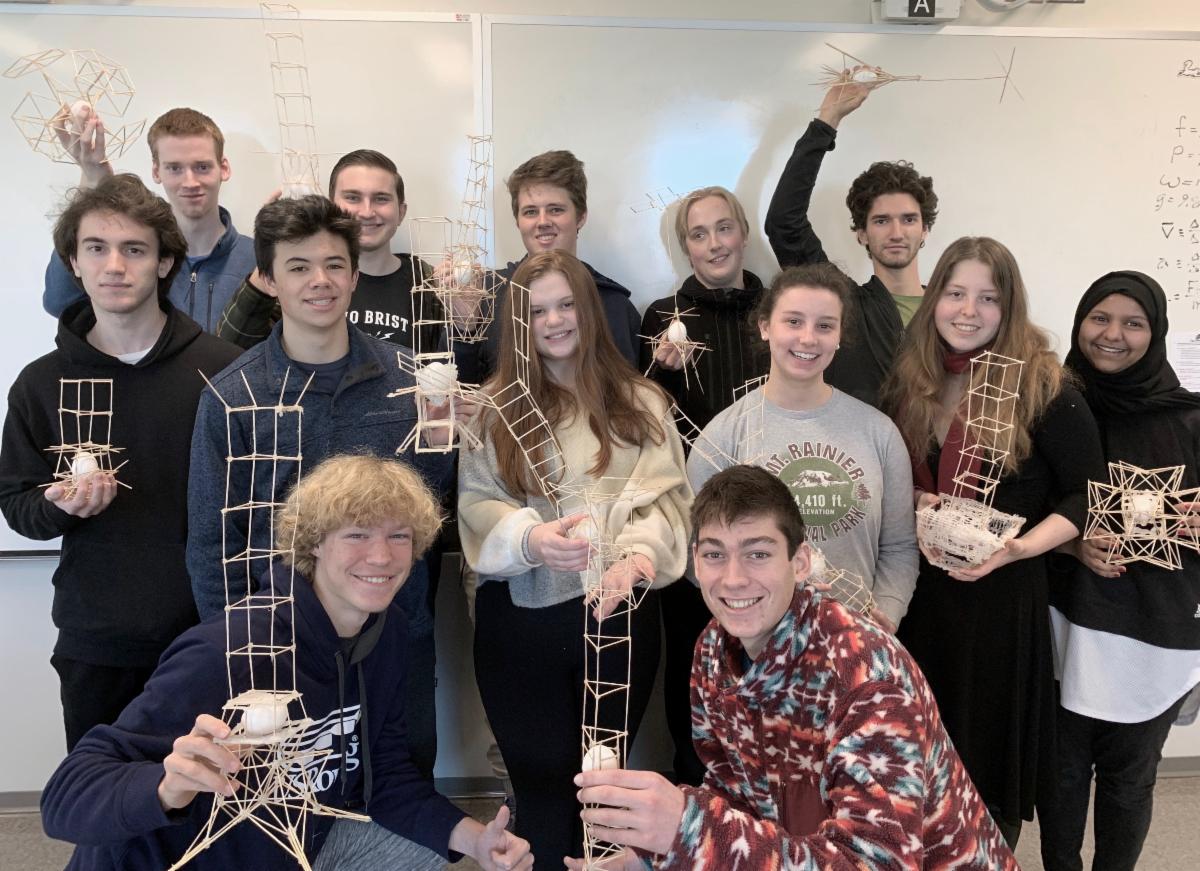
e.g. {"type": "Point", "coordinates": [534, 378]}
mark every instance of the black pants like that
{"type": "Point", "coordinates": [94, 694]}
{"type": "Point", "coordinates": [529, 663]}
{"type": "Point", "coordinates": [1125, 757]}
{"type": "Point", "coordinates": [684, 616]}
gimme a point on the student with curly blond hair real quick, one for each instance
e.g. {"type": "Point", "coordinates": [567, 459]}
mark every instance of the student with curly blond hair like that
{"type": "Point", "coordinates": [134, 795]}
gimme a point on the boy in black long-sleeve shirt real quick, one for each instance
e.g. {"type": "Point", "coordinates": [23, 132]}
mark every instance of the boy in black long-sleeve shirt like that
{"type": "Point", "coordinates": [892, 209]}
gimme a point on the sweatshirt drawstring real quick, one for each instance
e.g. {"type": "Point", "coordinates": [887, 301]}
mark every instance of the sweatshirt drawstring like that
{"type": "Point", "coordinates": [365, 741]}
{"type": "Point", "coordinates": [341, 676]}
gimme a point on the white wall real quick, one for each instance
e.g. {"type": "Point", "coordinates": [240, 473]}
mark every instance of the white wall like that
{"type": "Point", "coordinates": [31, 735]}
{"type": "Point", "coordinates": [1108, 14]}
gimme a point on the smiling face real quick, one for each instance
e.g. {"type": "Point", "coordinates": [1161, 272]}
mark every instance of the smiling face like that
{"type": "Point", "coordinates": [312, 280]}
{"type": "Point", "coordinates": [553, 324]}
{"type": "Point", "coordinates": [894, 230]}
{"type": "Point", "coordinates": [968, 311]}
{"type": "Point", "coordinates": [547, 219]}
{"type": "Point", "coordinates": [747, 576]}
{"type": "Point", "coordinates": [358, 571]}
{"type": "Point", "coordinates": [191, 174]}
{"type": "Point", "coordinates": [1115, 334]}
{"type": "Point", "coordinates": [369, 194]}
{"type": "Point", "coordinates": [803, 332]}
{"type": "Point", "coordinates": [716, 244]}
{"type": "Point", "coordinates": [118, 264]}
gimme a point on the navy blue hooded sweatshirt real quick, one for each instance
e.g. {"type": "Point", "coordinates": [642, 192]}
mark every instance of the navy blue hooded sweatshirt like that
{"type": "Point", "coordinates": [104, 797]}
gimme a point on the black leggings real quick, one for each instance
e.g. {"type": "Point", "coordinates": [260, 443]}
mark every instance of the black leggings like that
{"type": "Point", "coordinates": [529, 663]}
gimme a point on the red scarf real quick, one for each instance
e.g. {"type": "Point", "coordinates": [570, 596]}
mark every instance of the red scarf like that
{"type": "Point", "coordinates": [955, 363]}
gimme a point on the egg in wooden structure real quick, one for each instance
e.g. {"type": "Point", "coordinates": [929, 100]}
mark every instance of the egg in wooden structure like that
{"type": "Point", "coordinates": [601, 757]}
{"type": "Point", "coordinates": [84, 463]}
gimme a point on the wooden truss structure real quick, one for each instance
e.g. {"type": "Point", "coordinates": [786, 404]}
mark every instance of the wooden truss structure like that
{"type": "Point", "coordinates": [877, 77]}
{"type": "Point", "coordinates": [1136, 515]}
{"type": "Point", "coordinates": [845, 586]}
{"type": "Point", "coordinates": [270, 729]}
{"type": "Point", "coordinates": [298, 158]}
{"type": "Point", "coordinates": [85, 418]}
{"type": "Point", "coordinates": [676, 335]}
{"type": "Point", "coordinates": [963, 527]}
{"type": "Point", "coordinates": [51, 120]}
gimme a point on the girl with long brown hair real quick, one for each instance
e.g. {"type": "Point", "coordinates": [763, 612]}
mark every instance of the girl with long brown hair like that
{"type": "Point", "coordinates": [617, 437]}
{"type": "Point", "coordinates": [982, 635]}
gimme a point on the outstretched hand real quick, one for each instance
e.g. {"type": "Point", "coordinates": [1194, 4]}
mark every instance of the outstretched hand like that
{"type": "Point", "coordinates": [669, 356]}
{"type": "Point", "coordinates": [1094, 554]}
{"type": "Point", "coordinates": [1013, 550]}
{"type": "Point", "coordinates": [618, 580]}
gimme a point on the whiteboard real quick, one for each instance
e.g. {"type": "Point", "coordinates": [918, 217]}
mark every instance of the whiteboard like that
{"type": "Point", "coordinates": [1068, 177]}
{"type": "Point", "coordinates": [403, 87]}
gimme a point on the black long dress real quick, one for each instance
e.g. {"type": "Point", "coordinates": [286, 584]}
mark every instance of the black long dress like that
{"type": "Point", "coordinates": [985, 646]}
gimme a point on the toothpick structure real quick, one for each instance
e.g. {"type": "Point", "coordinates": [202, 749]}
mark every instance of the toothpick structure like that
{"type": "Point", "coordinates": [51, 121]}
{"type": "Point", "coordinates": [85, 418]}
{"type": "Point", "coordinates": [877, 77]}
{"type": "Point", "coordinates": [845, 586]}
{"type": "Point", "coordinates": [270, 730]}
{"type": "Point", "coordinates": [675, 335]}
{"type": "Point", "coordinates": [963, 527]}
{"type": "Point", "coordinates": [298, 157]}
{"type": "Point", "coordinates": [1135, 513]}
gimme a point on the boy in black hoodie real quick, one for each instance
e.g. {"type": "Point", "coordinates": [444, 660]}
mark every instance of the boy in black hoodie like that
{"type": "Point", "coordinates": [716, 302]}
{"type": "Point", "coordinates": [121, 589]}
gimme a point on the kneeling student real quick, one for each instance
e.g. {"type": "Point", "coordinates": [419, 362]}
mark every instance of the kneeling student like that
{"type": "Point", "coordinates": [823, 744]}
{"type": "Point", "coordinates": [130, 794]}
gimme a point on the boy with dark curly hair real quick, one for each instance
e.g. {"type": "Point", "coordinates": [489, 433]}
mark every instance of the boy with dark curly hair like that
{"type": "Point", "coordinates": [892, 208]}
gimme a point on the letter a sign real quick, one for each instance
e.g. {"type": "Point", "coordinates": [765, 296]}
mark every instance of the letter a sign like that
{"type": "Point", "coordinates": [920, 8]}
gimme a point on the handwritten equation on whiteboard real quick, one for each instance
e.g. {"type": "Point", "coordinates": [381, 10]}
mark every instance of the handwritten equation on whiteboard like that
{"type": "Point", "coordinates": [1177, 209]}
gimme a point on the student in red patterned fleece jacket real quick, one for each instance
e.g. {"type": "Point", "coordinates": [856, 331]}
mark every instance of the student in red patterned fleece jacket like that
{"type": "Point", "coordinates": [823, 743]}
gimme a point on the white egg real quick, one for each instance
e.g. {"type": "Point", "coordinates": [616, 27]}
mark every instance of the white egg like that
{"type": "Point", "coordinates": [264, 718]}
{"type": "Point", "coordinates": [676, 331]}
{"type": "Point", "coordinates": [464, 273]}
{"type": "Point", "coordinates": [601, 757]}
{"type": "Point", "coordinates": [84, 463]}
{"type": "Point", "coordinates": [436, 380]}
{"type": "Point", "coordinates": [80, 110]}
{"type": "Point", "coordinates": [866, 77]}
{"type": "Point", "coordinates": [584, 530]}
{"type": "Point", "coordinates": [294, 190]}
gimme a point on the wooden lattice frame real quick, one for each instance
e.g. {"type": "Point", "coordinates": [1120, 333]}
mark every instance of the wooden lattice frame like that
{"type": "Point", "coordinates": [963, 527]}
{"type": "Point", "coordinates": [1136, 514]}
{"type": "Point", "coordinates": [276, 789]}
